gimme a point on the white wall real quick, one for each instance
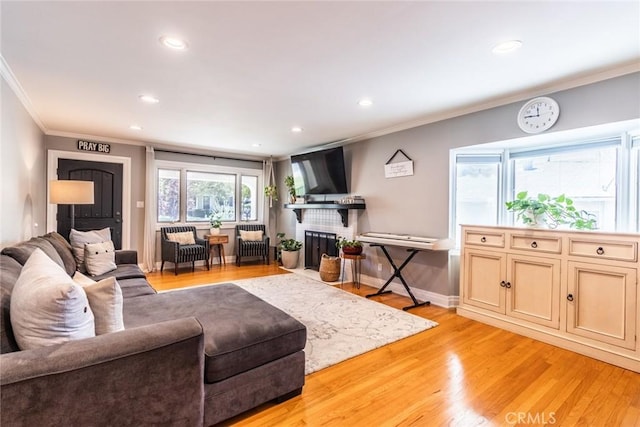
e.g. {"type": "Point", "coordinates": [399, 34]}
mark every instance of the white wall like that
{"type": "Point", "coordinates": [22, 164]}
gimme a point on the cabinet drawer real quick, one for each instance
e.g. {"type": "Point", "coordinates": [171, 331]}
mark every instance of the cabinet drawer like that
{"type": "Point", "coordinates": [622, 251]}
{"type": "Point", "coordinates": [481, 238]}
{"type": "Point", "coordinates": [536, 244]}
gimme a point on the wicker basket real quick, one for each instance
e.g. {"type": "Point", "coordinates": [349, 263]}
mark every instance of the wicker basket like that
{"type": "Point", "coordinates": [329, 268]}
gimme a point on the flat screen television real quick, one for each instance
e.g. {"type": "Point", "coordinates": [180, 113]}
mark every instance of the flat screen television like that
{"type": "Point", "coordinates": [320, 172]}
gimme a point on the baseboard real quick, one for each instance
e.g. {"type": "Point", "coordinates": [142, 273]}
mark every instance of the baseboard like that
{"type": "Point", "coordinates": [446, 301]}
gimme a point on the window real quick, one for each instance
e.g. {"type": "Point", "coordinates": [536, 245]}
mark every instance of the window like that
{"type": "Point", "coordinates": [219, 191]}
{"type": "Point", "coordinates": [190, 193]}
{"type": "Point", "coordinates": [168, 195]}
{"type": "Point", "coordinates": [601, 176]}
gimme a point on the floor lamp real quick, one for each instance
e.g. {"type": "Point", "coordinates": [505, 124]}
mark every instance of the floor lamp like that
{"type": "Point", "coordinates": [69, 192]}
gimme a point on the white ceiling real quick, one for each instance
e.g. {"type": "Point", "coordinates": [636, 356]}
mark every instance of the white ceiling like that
{"type": "Point", "coordinates": [255, 69]}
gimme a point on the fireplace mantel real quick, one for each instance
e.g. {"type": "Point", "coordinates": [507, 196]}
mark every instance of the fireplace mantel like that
{"type": "Point", "coordinates": [343, 209]}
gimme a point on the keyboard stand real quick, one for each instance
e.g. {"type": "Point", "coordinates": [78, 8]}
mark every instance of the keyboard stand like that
{"type": "Point", "coordinates": [397, 272]}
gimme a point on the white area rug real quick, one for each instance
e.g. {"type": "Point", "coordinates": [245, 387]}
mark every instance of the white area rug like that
{"type": "Point", "coordinates": [340, 325]}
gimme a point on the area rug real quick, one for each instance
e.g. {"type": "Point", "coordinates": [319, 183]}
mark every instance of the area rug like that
{"type": "Point", "coordinates": [340, 325]}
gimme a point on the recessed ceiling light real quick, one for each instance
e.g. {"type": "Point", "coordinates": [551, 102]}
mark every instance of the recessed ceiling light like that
{"type": "Point", "coordinates": [173, 43]}
{"type": "Point", "coordinates": [135, 127]}
{"type": "Point", "coordinates": [296, 129]}
{"type": "Point", "coordinates": [149, 99]}
{"type": "Point", "coordinates": [365, 102]}
{"type": "Point", "coordinates": [506, 47]}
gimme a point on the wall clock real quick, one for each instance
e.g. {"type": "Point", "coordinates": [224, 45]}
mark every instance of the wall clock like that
{"type": "Point", "coordinates": [538, 114]}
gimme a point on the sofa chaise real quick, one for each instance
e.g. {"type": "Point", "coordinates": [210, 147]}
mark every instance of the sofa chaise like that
{"type": "Point", "coordinates": [189, 357]}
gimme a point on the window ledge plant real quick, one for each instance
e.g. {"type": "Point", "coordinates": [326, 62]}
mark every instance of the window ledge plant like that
{"type": "Point", "coordinates": [550, 211]}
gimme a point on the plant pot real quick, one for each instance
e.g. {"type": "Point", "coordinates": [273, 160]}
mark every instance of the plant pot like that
{"type": "Point", "coordinates": [213, 231]}
{"type": "Point", "coordinates": [289, 259]}
{"type": "Point", "coordinates": [352, 250]}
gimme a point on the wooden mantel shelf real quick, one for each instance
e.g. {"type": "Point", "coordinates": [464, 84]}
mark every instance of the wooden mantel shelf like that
{"type": "Point", "coordinates": [343, 209]}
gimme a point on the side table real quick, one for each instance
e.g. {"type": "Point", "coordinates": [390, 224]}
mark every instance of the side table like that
{"type": "Point", "coordinates": [355, 267]}
{"type": "Point", "coordinates": [217, 240]}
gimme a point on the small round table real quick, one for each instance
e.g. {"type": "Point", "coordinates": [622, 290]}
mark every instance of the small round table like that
{"type": "Point", "coordinates": [217, 240]}
{"type": "Point", "coordinates": [355, 267]}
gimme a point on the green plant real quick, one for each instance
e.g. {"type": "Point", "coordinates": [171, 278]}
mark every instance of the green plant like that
{"type": "Point", "coordinates": [553, 211]}
{"type": "Point", "coordinates": [271, 191]}
{"type": "Point", "coordinates": [342, 242]}
{"type": "Point", "coordinates": [291, 185]}
{"type": "Point", "coordinates": [288, 244]}
{"type": "Point", "coordinates": [214, 220]}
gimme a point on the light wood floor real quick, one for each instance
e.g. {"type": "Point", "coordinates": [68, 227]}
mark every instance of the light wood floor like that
{"type": "Point", "coordinates": [460, 373]}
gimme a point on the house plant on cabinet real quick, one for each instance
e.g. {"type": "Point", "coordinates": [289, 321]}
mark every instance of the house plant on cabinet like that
{"type": "Point", "coordinates": [288, 251]}
{"type": "Point", "coordinates": [349, 247]}
{"type": "Point", "coordinates": [547, 211]}
{"type": "Point", "coordinates": [215, 222]}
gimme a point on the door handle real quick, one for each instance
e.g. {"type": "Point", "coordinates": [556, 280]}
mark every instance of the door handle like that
{"type": "Point", "coordinates": [570, 297]}
{"type": "Point", "coordinates": [534, 244]}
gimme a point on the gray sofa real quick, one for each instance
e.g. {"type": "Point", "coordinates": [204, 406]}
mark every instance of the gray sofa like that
{"type": "Point", "coordinates": [196, 357]}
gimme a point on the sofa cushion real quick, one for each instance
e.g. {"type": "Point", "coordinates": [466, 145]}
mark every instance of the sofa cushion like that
{"type": "Point", "coordinates": [47, 307]}
{"type": "Point", "coordinates": [136, 287]}
{"type": "Point", "coordinates": [80, 238]}
{"type": "Point", "coordinates": [241, 331]}
{"type": "Point", "coordinates": [9, 273]}
{"type": "Point", "coordinates": [99, 258]}
{"type": "Point", "coordinates": [64, 250]}
{"type": "Point", "coordinates": [23, 250]}
{"type": "Point", "coordinates": [123, 271]}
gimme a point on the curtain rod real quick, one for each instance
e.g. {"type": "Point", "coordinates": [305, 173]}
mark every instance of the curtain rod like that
{"type": "Point", "coordinates": [208, 155]}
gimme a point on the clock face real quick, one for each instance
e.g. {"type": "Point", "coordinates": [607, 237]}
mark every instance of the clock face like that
{"type": "Point", "coordinates": [538, 115]}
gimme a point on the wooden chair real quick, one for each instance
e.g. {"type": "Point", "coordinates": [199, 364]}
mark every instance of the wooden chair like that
{"type": "Point", "coordinates": [176, 252]}
{"type": "Point", "coordinates": [252, 248]}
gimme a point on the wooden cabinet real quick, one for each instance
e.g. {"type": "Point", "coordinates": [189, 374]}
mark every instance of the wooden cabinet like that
{"type": "Point", "coordinates": [576, 290]}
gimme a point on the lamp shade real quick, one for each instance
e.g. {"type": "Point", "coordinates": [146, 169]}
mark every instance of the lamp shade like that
{"type": "Point", "coordinates": [68, 192]}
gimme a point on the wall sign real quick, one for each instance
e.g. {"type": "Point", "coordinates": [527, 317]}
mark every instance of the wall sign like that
{"type": "Point", "coordinates": [394, 170]}
{"type": "Point", "coordinates": [93, 146]}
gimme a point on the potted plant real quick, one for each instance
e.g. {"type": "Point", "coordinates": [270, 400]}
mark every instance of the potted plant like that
{"type": "Point", "coordinates": [271, 191]}
{"type": "Point", "coordinates": [291, 186]}
{"type": "Point", "coordinates": [349, 247]}
{"type": "Point", "coordinates": [215, 222]}
{"type": "Point", "coordinates": [545, 210]}
{"type": "Point", "coordinates": [288, 251]}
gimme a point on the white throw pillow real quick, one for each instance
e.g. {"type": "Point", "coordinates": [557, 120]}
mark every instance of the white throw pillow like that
{"type": "Point", "coordinates": [47, 307]}
{"type": "Point", "coordinates": [251, 235]}
{"type": "Point", "coordinates": [80, 238]}
{"type": "Point", "coordinates": [184, 238]}
{"type": "Point", "coordinates": [105, 299]}
{"type": "Point", "coordinates": [99, 258]}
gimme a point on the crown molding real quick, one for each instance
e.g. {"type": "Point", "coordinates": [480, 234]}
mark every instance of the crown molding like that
{"type": "Point", "coordinates": [18, 90]}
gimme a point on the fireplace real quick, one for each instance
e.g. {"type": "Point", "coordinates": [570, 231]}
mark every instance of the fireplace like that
{"type": "Point", "coordinates": [317, 243]}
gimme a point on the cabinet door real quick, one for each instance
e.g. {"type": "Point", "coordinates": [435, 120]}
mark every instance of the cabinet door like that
{"type": "Point", "coordinates": [533, 289]}
{"type": "Point", "coordinates": [483, 274]}
{"type": "Point", "coordinates": [601, 303]}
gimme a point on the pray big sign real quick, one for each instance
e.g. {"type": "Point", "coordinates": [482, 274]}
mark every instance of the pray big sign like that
{"type": "Point", "coordinates": [93, 146]}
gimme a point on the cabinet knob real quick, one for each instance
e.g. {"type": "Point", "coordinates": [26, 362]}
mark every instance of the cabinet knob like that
{"type": "Point", "coordinates": [508, 285]}
{"type": "Point", "coordinates": [570, 297]}
{"type": "Point", "coordinates": [600, 251]}
{"type": "Point", "coordinates": [503, 284]}
{"type": "Point", "coordinates": [534, 245]}
{"type": "Point", "coordinates": [484, 239]}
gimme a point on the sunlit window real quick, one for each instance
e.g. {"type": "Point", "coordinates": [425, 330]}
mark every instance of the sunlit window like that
{"type": "Point", "coordinates": [168, 195]}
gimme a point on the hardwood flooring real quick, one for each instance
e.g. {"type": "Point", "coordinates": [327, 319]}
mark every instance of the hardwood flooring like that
{"type": "Point", "coordinates": [460, 373]}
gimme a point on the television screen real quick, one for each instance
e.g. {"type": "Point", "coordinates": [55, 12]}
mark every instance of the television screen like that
{"type": "Point", "coordinates": [320, 172]}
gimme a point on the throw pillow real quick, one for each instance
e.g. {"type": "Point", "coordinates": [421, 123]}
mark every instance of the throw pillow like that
{"type": "Point", "coordinates": [184, 238]}
{"type": "Point", "coordinates": [99, 258]}
{"type": "Point", "coordinates": [23, 250]}
{"type": "Point", "coordinates": [47, 307]}
{"type": "Point", "coordinates": [105, 300]}
{"type": "Point", "coordinates": [79, 238]}
{"type": "Point", "coordinates": [65, 251]}
{"type": "Point", "coordinates": [251, 235]}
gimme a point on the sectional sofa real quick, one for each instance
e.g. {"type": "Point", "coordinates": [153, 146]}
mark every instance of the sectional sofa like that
{"type": "Point", "coordinates": [189, 357]}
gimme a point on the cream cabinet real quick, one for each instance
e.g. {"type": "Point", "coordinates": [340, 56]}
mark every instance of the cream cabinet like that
{"type": "Point", "coordinates": [576, 290]}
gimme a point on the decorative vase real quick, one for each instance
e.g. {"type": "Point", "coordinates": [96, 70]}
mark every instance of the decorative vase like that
{"type": "Point", "coordinates": [289, 259]}
{"type": "Point", "coordinates": [213, 231]}
{"type": "Point", "coordinates": [352, 250]}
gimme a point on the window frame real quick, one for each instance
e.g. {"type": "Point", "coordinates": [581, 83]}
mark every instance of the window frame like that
{"type": "Point", "coordinates": [627, 145]}
{"type": "Point", "coordinates": [184, 167]}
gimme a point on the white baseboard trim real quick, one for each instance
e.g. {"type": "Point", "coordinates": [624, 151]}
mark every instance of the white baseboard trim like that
{"type": "Point", "coordinates": [446, 301]}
